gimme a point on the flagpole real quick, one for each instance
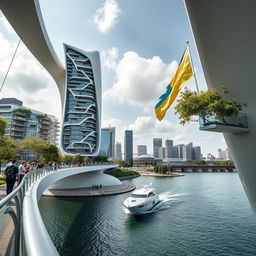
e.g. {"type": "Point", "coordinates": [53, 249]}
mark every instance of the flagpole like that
{"type": "Point", "coordinates": [193, 70]}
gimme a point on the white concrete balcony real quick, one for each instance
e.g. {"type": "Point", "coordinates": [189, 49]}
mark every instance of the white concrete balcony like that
{"type": "Point", "coordinates": [233, 124]}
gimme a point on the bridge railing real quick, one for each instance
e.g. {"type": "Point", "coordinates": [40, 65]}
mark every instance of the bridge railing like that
{"type": "Point", "coordinates": [11, 227]}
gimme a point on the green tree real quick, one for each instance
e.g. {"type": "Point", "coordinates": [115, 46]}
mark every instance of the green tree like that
{"type": "Point", "coordinates": [78, 158]}
{"type": "Point", "coordinates": [199, 162]}
{"type": "Point", "coordinates": [3, 126]}
{"type": "Point", "coordinates": [7, 145]}
{"type": "Point", "coordinates": [207, 104]}
{"type": "Point", "coordinates": [68, 158]}
{"type": "Point", "coordinates": [101, 158]}
{"type": "Point", "coordinates": [7, 149]}
{"type": "Point", "coordinates": [50, 152]}
{"type": "Point", "coordinates": [33, 144]}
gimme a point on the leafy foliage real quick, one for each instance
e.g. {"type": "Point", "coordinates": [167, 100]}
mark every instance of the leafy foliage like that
{"type": "Point", "coordinates": [121, 173]}
{"type": "Point", "coordinates": [162, 169]}
{"type": "Point", "coordinates": [43, 117]}
{"type": "Point", "coordinates": [7, 145]}
{"type": "Point", "coordinates": [7, 148]}
{"type": "Point", "coordinates": [25, 111]}
{"type": "Point", "coordinates": [199, 162]}
{"type": "Point", "coordinates": [47, 150]}
{"type": "Point", "coordinates": [50, 152]}
{"type": "Point", "coordinates": [209, 104]}
{"type": "Point", "coordinates": [78, 158]}
{"type": "Point", "coordinates": [3, 126]}
{"type": "Point", "coordinates": [101, 158]}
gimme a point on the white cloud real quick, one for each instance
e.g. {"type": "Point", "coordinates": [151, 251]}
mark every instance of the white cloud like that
{"type": "Point", "coordinates": [27, 79]}
{"type": "Point", "coordinates": [7, 25]}
{"type": "Point", "coordinates": [110, 57]}
{"type": "Point", "coordinates": [111, 122]}
{"type": "Point", "coordinates": [140, 81]}
{"type": "Point", "coordinates": [145, 128]}
{"type": "Point", "coordinates": [106, 17]}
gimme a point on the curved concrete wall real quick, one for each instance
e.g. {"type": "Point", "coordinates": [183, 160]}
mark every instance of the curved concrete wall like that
{"type": "Point", "coordinates": [224, 32]}
{"type": "Point", "coordinates": [84, 180]}
{"type": "Point", "coordinates": [81, 172]}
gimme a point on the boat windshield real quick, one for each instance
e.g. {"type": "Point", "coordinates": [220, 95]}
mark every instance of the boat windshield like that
{"type": "Point", "coordinates": [138, 196]}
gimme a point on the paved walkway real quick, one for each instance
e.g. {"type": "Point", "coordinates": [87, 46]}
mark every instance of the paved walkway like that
{"type": "Point", "coordinates": [79, 192]}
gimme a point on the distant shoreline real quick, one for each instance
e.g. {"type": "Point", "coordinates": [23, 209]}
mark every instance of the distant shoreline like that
{"type": "Point", "coordinates": [174, 174]}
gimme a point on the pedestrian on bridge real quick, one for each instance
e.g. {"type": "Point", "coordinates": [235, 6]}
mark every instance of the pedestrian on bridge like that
{"type": "Point", "coordinates": [11, 173]}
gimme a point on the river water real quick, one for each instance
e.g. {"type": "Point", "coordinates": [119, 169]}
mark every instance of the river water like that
{"type": "Point", "coordinates": [208, 214]}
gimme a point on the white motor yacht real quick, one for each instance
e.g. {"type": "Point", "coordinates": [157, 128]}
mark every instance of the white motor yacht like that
{"type": "Point", "coordinates": [141, 201]}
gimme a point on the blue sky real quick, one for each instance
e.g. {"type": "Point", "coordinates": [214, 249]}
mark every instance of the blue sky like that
{"type": "Point", "coordinates": [140, 43]}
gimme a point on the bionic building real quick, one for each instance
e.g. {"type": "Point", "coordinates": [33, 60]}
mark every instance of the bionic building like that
{"type": "Point", "coordinates": [81, 124]}
{"type": "Point", "coordinates": [79, 83]}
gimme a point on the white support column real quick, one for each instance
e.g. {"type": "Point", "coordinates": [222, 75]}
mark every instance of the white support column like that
{"type": "Point", "coordinates": [225, 36]}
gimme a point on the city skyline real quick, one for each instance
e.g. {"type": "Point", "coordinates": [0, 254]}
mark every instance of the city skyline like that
{"type": "Point", "coordinates": [110, 147]}
{"type": "Point", "coordinates": [134, 74]}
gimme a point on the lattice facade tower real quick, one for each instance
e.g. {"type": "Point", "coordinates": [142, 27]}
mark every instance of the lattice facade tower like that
{"type": "Point", "coordinates": [82, 105]}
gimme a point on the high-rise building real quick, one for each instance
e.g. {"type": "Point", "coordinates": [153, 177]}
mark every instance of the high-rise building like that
{"type": "Point", "coordinates": [157, 143]}
{"type": "Point", "coordinates": [175, 152]}
{"type": "Point", "coordinates": [189, 151]}
{"type": "Point", "coordinates": [220, 154]}
{"type": "Point", "coordinates": [161, 152]}
{"type": "Point", "coordinates": [82, 110]}
{"type": "Point", "coordinates": [197, 153]}
{"type": "Point", "coordinates": [107, 145]}
{"type": "Point", "coordinates": [182, 151]}
{"type": "Point", "coordinates": [224, 154]}
{"type": "Point", "coordinates": [118, 151]}
{"type": "Point", "coordinates": [141, 150]}
{"type": "Point", "coordinates": [128, 145]}
{"type": "Point", "coordinates": [24, 122]}
{"type": "Point", "coordinates": [168, 149]}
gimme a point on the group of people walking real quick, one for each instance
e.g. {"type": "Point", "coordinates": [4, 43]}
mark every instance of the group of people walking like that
{"type": "Point", "coordinates": [14, 173]}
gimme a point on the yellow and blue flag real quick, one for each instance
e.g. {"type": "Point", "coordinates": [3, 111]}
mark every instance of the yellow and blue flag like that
{"type": "Point", "coordinates": [183, 73]}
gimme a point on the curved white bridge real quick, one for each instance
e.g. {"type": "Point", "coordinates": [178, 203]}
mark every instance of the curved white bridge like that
{"type": "Point", "coordinates": [30, 236]}
{"type": "Point", "coordinates": [37, 239]}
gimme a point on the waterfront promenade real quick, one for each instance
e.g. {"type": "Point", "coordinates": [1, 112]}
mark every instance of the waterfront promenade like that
{"type": "Point", "coordinates": [177, 169]}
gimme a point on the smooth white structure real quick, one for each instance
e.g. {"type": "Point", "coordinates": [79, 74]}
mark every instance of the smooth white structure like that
{"type": "Point", "coordinates": [225, 39]}
{"type": "Point", "coordinates": [37, 239]}
{"type": "Point", "coordinates": [80, 81]}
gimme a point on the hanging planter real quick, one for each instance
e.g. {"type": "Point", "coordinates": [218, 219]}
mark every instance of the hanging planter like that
{"type": "Point", "coordinates": [216, 112]}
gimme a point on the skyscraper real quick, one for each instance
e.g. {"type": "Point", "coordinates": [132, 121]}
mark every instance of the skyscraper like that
{"type": "Point", "coordinates": [82, 111]}
{"type": "Point", "coordinates": [157, 143]}
{"type": "Point", "coordinates": [181, 151]}
{"type": "Point", "coordinates": [128, 145]}
{"type": "Point", "coordinates": [168, 149]}
{"type": "Point", "coordinates": [197, 153]}
{"type": "Point", "coordinates": [118, 151]}
{"type": "Point", "coordinates": [189, 151]}
{"type": "Point", "coordinates": [141, 150]}
{"type": "Point", "coordinates": [107, 145]}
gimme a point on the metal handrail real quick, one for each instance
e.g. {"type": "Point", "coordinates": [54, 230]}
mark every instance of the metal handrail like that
{"type": "Point", "coordinates": [16, 240]}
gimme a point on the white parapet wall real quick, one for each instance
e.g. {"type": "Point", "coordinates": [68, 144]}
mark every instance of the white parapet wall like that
{"type": "Point", "coordinates": [224, 32]}
{"type": "Point", "coordinates": [85, 180]}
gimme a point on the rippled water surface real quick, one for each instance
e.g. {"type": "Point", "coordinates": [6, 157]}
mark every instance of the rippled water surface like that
{"type": "Point", "coordinates": [208, 214]}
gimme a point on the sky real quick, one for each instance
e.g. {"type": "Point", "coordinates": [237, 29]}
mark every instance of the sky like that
{"type": "Point", "coordinates": [140, 43]}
